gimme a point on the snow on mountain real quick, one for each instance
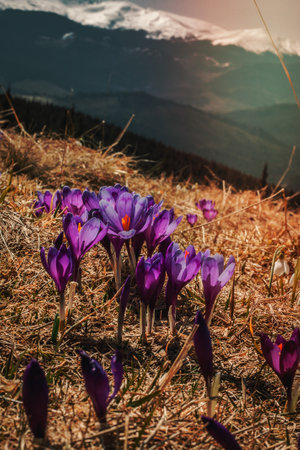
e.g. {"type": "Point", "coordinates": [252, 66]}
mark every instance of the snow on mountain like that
{"type": "Point", "coordinates": [157, 24]}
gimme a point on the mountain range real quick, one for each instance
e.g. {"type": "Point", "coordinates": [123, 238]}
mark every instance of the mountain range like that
{"type": "Point", "coordinates": [186, 88]}
{"type": "Point", "coordinates": [156, 23]}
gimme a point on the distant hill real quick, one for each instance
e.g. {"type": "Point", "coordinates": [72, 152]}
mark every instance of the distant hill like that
{"type": "Point", "coordinates": [281, 121]}
{"type": "Point", "coordinates": [152, 155]}
{"type": "Point", "coordinates": [190, 130]}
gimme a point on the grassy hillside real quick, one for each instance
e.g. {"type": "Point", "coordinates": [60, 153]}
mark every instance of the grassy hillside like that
{"type": "Point", "coordinates": [146, 412]}
{"type": "Point", "coordinates": [151, 154]}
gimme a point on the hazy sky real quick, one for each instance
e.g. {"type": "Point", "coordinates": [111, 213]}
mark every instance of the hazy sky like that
{"type": "Point", "coordinates": [282, 16]}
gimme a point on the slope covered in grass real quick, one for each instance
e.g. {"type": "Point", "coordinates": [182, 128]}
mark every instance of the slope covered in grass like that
{"type": "Point", "coordinates": [251, 400]}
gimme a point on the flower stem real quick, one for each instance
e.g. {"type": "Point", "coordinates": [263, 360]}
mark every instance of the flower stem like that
{"type": "Point", "coordinates": [292, 398]}
{"type": "Point", "coordinates": [172, 318]}
{"type": "Point", "coordinates": [62, 312]}
{"type": "Point", "coordinates": [117, 270]}
{"type": "Point", "coordinates": [143, 321]}
{"type": "Point", "coordinates": [131, 257]}
{"type": "Point", "coordinates": [150, 317]}
{"type": "Point", "coordinates": [72, 292]}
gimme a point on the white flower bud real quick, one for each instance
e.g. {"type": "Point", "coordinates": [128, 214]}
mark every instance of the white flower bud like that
{"type": "Point", "coordinates": [281, 267]}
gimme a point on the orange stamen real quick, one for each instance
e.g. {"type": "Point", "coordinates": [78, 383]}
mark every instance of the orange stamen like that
{"type": "Point", "coordinates": [280, 346]}
{"type": "Point", "coordinates": [186, 253]}
{"type": "Point", "coordinates": [126, 222]}
{"type": "Point", "coordinates": [79, 227]}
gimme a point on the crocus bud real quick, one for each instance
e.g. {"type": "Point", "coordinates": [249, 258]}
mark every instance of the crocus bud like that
{"type": "Point", "coordinates": [214, 277]}
{"type": "Point", "coordinates": [97, 384]}
{"type": "Point", "coordinates": [203, 348]}
{"type": "Point", "coordinates": [192, 219]}
{"type": "Point", "coordinates": [35, 398]}
{"type": "Point", "coordinates": [220, 434]}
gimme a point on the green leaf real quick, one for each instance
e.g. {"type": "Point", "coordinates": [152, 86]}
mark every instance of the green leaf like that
{"type": "Point", "coordinates": [55, 329]}
{"type": "Point", "coordinates": [141, 401]}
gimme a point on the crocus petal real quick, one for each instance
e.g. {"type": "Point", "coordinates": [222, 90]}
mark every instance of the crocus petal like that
{"type": "Point", "coordinates": [44, 261]}
{"type": "Point", "coordinates": [111, 216]}
{"type": "Point", "coordinates": [296, 337]}
{"type": "Point", "coordinates": [70, 227]}
{"type": "Point", "coordinates": [271, 352]}
{"type": "Point", "coordinates": [52, 259]}
{"type": "Point", "coordinates": [47, 201]}
{"type": "Point", "coordinates": [220, 434]}
{"type": "Point", "coordinates": [192, 219]}
{"type": "Point", "coordinates": [227, 273]}
{"type": "Point", "coordinates": [90, 234]}
{"type": "Point", "coordinates": [90, 200]}
{"type": "Point", "coordinates": [59, 265]}
{"type": "Point", "coordinates": [288, 363]}
{"type": "Point", "coordinates": [210, 271]}
{"type": "Point", "coordinates": [96, 384]}
{"type": "Point", "coordinates": [280, 340]}
{"type": "Point", "coordinates": [35, 398]}
{"type": "Point", "coordinates": [139, 211]}
{"type": "Point", "coordinates": [209, 214]}
{"type": "Point", "coordinates": [124, 205]}
{"type": "Point", "coordinates": [150, 276]}
{"type": "Point", "coordinates": [127, 234]}
{"type": "Point", "coordinates": [59, 240]}
{"type": "Point", "coordinates": [118, 373]}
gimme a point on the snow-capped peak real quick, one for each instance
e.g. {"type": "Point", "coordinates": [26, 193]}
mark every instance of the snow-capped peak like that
{"type": "Point", "coordinates": [157, 24]}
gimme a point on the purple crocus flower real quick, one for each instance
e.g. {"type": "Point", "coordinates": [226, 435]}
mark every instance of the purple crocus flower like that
{"type": "Point", "coordinates": [220, 434]}
{"type": "Point", "coordinates": [47, 202]}
{"type": "Point", "coordinates": [205, 204]}
{"type": "Point", "coordinates": [203, 348]}
{"type": "Point", "coordinates": [35, 398]}
{"type": "Point", "coordinates": [97, 384]}
{"type": "Point", "coordinates": [82, 237]}
{"type": "Point", "coordinates": [150, 275]}
{"type": "Point", "coordinates": [192, 219]}
{"type": "Point", "coordinates": [214, 277]}
{"type": "Point", "coordinates": [72, 203]}
{"type": "Point", "coordinates": [59, 265]}
{"type": "Point", "coordinates": [92, 200]}
{"type": "Point", "coordinates": [209, 214]}
{"type": "Point", "coordinates": [181, 267]}
{"type": "Point", "coordinates": [138, 240]}
{"type": "Point", "coordinates": [129, 215]}
{"type": "Point", "coordinates": [208, 209]}
{"type": "Point", "coordinates": [162, 226]}
{"type": "Point", "coordinates": [126, 217]}
{"type": "Point", "coordinates": [283, 357]}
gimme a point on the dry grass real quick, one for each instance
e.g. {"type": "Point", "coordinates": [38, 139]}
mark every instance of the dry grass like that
{"type": "Point", "coordinates": [251, 400]}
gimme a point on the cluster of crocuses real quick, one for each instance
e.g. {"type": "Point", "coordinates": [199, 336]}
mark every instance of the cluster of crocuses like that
{"type": "Point", "coordinates": [117, 217]}
{"type": "Point", "coordinates": [35, 390]}
{"type": "Point", "coordinates": [208, 209]}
